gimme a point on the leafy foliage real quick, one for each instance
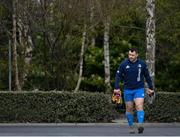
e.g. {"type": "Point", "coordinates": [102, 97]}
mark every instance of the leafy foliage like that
{"type": "Point", "coordinates": [56, 33]}
{"type": "Point", "coordinates": [63, 106]}
{"type": "Point", "coordinates": [167, 49]}
{"type": "Point", "coordinates": [164, 109]}
{"type": "Point", "coordinates": [55, 107]}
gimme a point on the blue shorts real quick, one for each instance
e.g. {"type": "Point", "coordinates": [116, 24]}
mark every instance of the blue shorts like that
{"type": "Point", "coordinates": [130, 95]}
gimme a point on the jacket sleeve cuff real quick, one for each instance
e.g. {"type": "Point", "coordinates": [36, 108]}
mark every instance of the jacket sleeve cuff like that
{"type": "Point", "coordinates": [151, 88]}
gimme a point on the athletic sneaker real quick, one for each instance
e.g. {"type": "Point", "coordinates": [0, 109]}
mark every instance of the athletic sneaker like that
{"type": "Point", "coordinates": [131, 129]}
{"type": "Point", "coordinates": [140, 128]}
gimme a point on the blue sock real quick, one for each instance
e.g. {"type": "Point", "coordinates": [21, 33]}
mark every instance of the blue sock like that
{"type": "Point", "coordinates": [130, 118]}
{"type": "Point", "coordinates": [140, 116]}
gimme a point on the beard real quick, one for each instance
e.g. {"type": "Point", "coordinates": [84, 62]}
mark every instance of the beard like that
{"type": "Point", "coordinates": [132, 59]}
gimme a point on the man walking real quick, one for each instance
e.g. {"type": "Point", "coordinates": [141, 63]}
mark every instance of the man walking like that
{"type": "Point", "coordinates": [133, 71]}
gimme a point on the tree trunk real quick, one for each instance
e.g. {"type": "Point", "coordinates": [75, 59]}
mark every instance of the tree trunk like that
{"type": "Point", "coordinates": [10, 65]}
{"type": "Point", "coordinates": [21, 41]}
{"type": "Point", "coordinates": [106, 20]}
{"type": "Point", "coordinates": [106, 53]}
{"type": "Point", "coordinates": [25, 42]}
{"type": "Point", "coordinates": [92, 23]}
{"type": "Point", "coordinates": [81, 59]}
{"type": "Point", "coordinates": [150, 37]}
{"type": "Point", "coordinates": [28, 52]}
{"type": "Point", "coordinates": [16, 76]}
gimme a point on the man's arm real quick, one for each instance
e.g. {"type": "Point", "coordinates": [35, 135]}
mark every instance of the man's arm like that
{"type": "Point", "coordinates": [148, 78]}
{"type": "Point", "coordinates": [118, 77]}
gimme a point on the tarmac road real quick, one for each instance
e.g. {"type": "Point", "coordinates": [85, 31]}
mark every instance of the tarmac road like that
{"type": "Point", "coordinates": [91, 129]}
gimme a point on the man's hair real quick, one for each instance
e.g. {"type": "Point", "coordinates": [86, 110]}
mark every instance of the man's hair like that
{"type": "Point", "coordinates": [133, 49]}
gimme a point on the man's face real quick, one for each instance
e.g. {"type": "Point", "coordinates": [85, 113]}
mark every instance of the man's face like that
{"type": "Point", "coordinates": [132, 56]}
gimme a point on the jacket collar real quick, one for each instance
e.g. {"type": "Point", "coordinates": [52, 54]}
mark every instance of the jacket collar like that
{"type": "Point", "coordinates": [133, 62]}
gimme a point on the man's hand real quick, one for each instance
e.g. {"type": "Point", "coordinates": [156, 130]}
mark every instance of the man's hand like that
{"type": "Point", "coordinates": [150, 92]}
{"type": "Point", "coordinates": [116, 97]}
{"type": "Point", "coordinates": [151, 95]}
{"type": "Point", "coordinates": [116, 91]}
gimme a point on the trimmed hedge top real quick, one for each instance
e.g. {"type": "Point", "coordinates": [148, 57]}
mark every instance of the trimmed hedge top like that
{"type": "Point", "coordinates": [55, 107]}
{"type": "Point", "coordinates": [166, 108]}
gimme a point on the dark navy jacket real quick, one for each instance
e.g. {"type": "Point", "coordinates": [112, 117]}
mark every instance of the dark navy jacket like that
{"type": "Point", "coordinates": [133, 75]}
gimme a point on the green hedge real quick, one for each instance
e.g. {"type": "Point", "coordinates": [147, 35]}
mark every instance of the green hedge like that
{"type": "Point", "coordinates": [55, 107]}
{"type": "Point", "coordinates": [60, 107]}
{"type": "Point", "coordinates": [166, 108]}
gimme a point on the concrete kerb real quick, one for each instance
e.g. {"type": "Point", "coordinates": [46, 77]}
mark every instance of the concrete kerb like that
{"type": "Point", "coordinates": [88, 124]}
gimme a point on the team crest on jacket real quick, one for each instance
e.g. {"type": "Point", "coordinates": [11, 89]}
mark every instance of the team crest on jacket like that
{"type": "Point", "coordinates": [127, 66]}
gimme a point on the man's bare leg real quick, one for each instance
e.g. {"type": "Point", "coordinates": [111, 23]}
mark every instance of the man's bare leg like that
{"type": "Point", "coordinates": [129, 116]}
{"type": "Point", "coordinates": [139, 104]}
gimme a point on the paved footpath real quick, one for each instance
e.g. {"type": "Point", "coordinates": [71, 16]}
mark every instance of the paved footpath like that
{"type": "Point", "coordinates": [90, 129]}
